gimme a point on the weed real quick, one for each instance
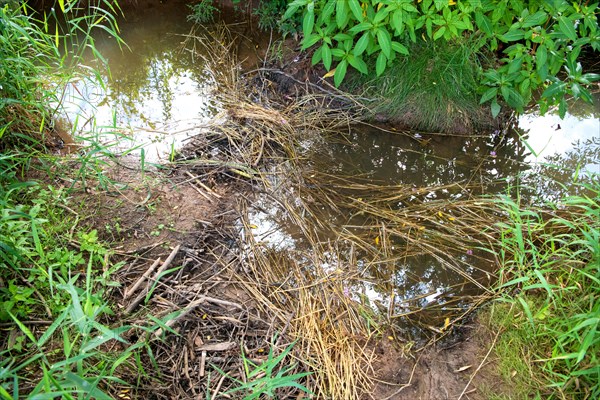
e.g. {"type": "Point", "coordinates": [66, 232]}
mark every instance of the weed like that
{"type": "Point", "coordinates": [266, 378]}
{"type": "Point", "coordinates": [202, 12]}
{"type": "Point", "coordinates": [431, 91]}
{"type": "Point", "coordinates": [551, 272]}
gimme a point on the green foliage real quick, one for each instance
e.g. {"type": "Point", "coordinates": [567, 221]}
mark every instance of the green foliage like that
{"type": "Point", "coordinates": [202, 12]}
{"type": "Point", "coordinates": [264, 379]}
{"type": "Point", "coordinates": [553, 259]}
{"type": "Point", "coordinates": [537, 40]}
{"type": "Point", "coordinates": [269, 14]}
{"type": "Point", "coordinates": [43, 276]}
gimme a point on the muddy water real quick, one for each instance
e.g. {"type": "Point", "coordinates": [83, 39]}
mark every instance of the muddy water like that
{"type": "Point", "coordinates": [154, 94]}
{"type": "Point", "coordinates": [546, 153]}
{"type": "Point", "coordinates": [158, 95]}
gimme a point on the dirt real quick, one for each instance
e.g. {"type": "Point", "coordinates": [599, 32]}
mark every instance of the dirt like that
{"type": "Point", "coordinates": [458, 367]}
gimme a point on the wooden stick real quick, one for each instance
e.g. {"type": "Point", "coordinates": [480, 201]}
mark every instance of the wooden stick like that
{"type": "Point", "coordinates": [141, 280]}
{"type": "Point", "coordinates": [190, 307]}
{"type": "Point", "coordinates": [202, 185]}
{"type": "Point", "coordinates": [156, 277]}
{"type": "Point", "coordinates": [202, 363]}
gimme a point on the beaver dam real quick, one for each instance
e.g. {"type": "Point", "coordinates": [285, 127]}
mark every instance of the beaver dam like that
{"type": "Point", "coordinates": [271, 235]}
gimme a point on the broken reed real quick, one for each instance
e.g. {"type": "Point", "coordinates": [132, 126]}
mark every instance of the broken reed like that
{"type": "Point", "coordinates": [315, 309]}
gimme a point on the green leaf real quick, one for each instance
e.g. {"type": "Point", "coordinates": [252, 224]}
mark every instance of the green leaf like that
{"type": "Point", "coordinates": [554, 89]}
{"type": "Point", "coordinates": [385, 41]}
{"type": "Point", "coordinates": [340, 72]}
{"type": "Point", "coordinates": [361, 44]}
{"type": "Point", "coordinates": [358, 64]}
{"type": "Point", "coordinates": [539, 18]}
{"type": "Point", "coordinates": [400, 48]}
{"type": "Point", "coordinates": [567, 28]}
{"type": "Point", "coordinates": [339, 53]}
{"type": "Point", "coordinates": [317, 56]}
{"type": "Point", "coordinates": [310, 41]}
{"type": "Point", "coordinates": [397, 21]}
{"type": "Point", "coordinates": [495, 107]}
{"type": "Point", "coordinates": [381, 63]}
{"type": "Point", "coordinates": [562, 108]}
{"type": "Point", "coordinates": [484, 23]}
{"type": "Point", "coordinates": [541, 57]}
{"type": "Point", "coordinates": [327, 56]}
{"type": "Point", "coordinates": [488, 95]}
{"type": "Point", "coordinates": [342, 15]}
{"type": "Point", "coordinates": [439, 33]}
{"type": "Point", "coordinates": [23, 328]}
{"type": "Point", "coordinates": [356, 9]}
{"type": "Point", "coordinates": [308, 23]}
{"type": "Point", "coordinates": [381, 15]}
{"type": "Point", "coordinates": [363, 26]}
{"type": "Point", "coordinates": [512, 35]}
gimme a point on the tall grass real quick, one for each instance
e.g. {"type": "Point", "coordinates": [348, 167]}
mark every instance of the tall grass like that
{"type": "Point", "coordinates": [38, 54]}
{"type": "Point", "coordinates": [435, 89]}
{"type": "Point", "coordinates": [550, 261]}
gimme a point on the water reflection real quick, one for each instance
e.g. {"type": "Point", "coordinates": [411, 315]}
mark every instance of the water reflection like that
{"type": "Point", "coordinates": [153, 88]}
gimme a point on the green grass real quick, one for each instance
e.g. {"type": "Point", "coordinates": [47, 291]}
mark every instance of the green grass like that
{"type": "Point", "coordinates": [431, 90]}
{"type": "Point", "coordinates": [550, 309]}
{"type": "Point", "coordinates": [266, 378]}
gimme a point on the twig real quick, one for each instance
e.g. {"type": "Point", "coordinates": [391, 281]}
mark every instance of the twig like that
{"type": "Point", "coordinates": [141, 296]}
{"type": "Point", "coordinates": [480, 365]}
{"type": "Point", "coordinates": [202, 185]}
{"type": "Point", "coordinates": [200, 192]}
{"type": "Point", "coordinates": [190, 307]}
{"type": "Point", "coordinates": [216, 391]}
{"type": "Point", "coordinates": [202, 363]}
{"type": "Point", "coordinates": [141, 280]}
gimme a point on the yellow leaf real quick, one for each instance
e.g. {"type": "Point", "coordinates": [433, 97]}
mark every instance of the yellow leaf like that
{"type": "Point", "coordinates": [252, 226]}
{"type": "Point", "coordinates": [451, 218]}
{"type": "Point", "coordinates": [440, 213]}
{"type": "Point", "coordinates": [390, 338]}
{"type": "Point", "coordinates": [329, 74]}
{"type": "Point", "coordinates": [446, 323]}
{"type": "Point", "coordinates": [377, 241]}
{"type": "Point", "coordinates": [451, 2]}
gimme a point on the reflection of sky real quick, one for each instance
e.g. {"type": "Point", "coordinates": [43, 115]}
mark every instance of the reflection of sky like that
{"type": "Point", "coordinates": [156, 94]}
{"type": "Point", "coordinates": [549, 134]}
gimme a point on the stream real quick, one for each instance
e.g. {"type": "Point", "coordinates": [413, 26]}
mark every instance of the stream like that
{"type": "Point", "coordinates": [158, 95]}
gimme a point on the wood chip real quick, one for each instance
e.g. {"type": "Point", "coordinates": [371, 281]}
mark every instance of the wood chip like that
{"type": "Point", "coordinates": [217, 346]}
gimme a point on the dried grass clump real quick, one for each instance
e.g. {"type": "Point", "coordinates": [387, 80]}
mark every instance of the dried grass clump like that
{"type": "Point", "coordinates": [313, 305]}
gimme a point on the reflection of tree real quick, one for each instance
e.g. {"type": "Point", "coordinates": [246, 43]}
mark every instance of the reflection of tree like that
{"type": "Point", "coordinates": [424, 162]}
{"type": "Point", "coordinates": [147, 71]}
{"type": "Point", "coordinates": [561, 175]}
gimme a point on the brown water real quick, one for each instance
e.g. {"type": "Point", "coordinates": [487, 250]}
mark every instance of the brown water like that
{"type": "Point", "coordinates": [158, 95]}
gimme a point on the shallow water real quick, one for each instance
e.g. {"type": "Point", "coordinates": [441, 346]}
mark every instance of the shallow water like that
{"type": "Point", "coordinates": [158, 96]}
{"type": "Point", "coordinates": [155, 93]}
